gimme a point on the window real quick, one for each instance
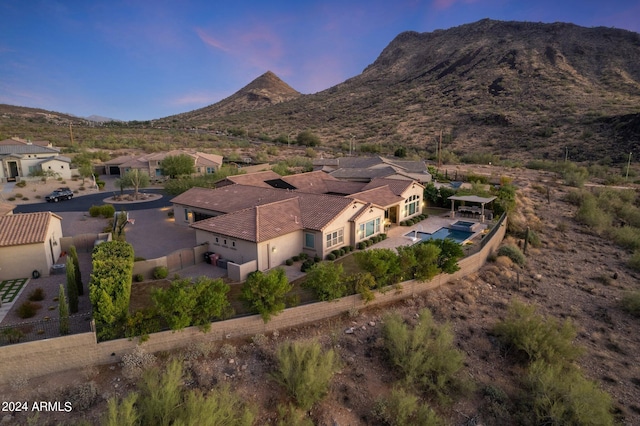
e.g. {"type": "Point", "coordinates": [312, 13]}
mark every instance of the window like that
{"type": "Point", "coordinates": [370, 228]}
{"type": "Point", "coordinates": [309, 240]}
{"type": "Point", "coordinates": [186, 215]}
{"type": "Point", "coordinates": [334, 238]}
{"type": "Point", "coordinates": [211, 170]}
{"type": "Point", "coordinates": [411, 206]}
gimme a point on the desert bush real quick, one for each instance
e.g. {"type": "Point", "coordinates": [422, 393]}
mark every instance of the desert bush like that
{"type": "Point", "coordinates": [634, 261]}
{"type": "Point", "coordinates": [627, 236]}
{"type": "Point", "coordinates": [160, 272]}
{"type": "Point", "coordinates": [82, 396]}
{"type": "Point", "coordinates": [631, 303]}
{"type": "Point", "coordinates": [136, 362]}
{"type": "Point", "coordinates": [28, 309]}
{"type": "Point", "coordinates": [591, 215]}
{"type": "Point", "coordinates": [305, 371]}
{"type": "Point", "coordinates": [539, 338]}
{"type": "Point", "coordinates": [362, 283]}
{"type": "Point", "coordinates": [37, 295]}
{"type": "Point", "coordinates": [21, 184]}
{"type": "Point", "coordinates": [513, 253]}
{"type": "Point", "coordinates": [138, 278]}
{"type": "Point", "coordinates": [402, 408]}
{"type": "Point", "coordinates": [559, 394]}
{"type": "Point", "coordinates": [163, 400]}
{"type": "Point", "coordinates": [425, 355]}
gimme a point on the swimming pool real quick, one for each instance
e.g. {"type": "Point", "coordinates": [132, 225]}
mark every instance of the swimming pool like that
{"type": "Point", "coordinates": [462, 225]}
{"type": "Point", "coordinates": [442, 233]}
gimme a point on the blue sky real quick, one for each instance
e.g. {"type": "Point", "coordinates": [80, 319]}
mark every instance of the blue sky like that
{"type": "Point", "coordinates": [145, 59]}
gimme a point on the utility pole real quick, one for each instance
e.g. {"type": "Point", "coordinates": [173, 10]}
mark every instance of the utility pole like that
{"type": "Point", "coordinates": [70, 133]}
{"type": "Point", "coordinates": [628, 165]}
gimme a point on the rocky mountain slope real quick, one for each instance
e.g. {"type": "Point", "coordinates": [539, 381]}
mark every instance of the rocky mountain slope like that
{"type": "Point", "coordinates": [516, 90]}
{"type": "Point", "coordinates": [508, 88]}
{"type": "Point", "coordinates": [264, 91]}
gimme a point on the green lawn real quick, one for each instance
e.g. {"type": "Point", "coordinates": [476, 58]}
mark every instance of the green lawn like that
{"type": "Point", "coordinates": [9, 289]}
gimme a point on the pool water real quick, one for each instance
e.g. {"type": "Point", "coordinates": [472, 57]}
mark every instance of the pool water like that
{"type": "Point", "coordinates": [442, 233]}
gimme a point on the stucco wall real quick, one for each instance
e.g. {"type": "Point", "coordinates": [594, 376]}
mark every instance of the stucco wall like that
{"type": "Point", "coordinates": [35, 359]}
{"type": "Point", "coordinates": [242, 252]}
{"type": "Point", "coordinates": [20, 261]}
{"type": "Point", "coordinates": [274, 252]}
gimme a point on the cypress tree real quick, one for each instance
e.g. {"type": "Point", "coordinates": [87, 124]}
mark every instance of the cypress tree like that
{"type": "Point", "coordinates": [72, 288]}
{"type": "Point", "coordinates": [76, 266]}
{"type": "Point", "coordinates": [63, 311]}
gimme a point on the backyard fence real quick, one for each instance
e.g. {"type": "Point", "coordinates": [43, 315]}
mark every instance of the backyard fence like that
{"type": "Point", "coordinates": [493, 231]}
{"type": "Point", "coordinates": [43, 329]}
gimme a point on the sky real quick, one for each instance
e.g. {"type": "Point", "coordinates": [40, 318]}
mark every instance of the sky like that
{"type": "Point", "coordinates": [147, 59]}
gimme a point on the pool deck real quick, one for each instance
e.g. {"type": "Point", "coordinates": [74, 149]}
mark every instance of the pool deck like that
{"type": "Point", "coordinates": [396, 235]}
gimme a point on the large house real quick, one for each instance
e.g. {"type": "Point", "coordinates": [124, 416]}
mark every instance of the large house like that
{"type": "Point", "coordinates": [150, 163]}
{"type": "Point", "coordinates": [29, 242]}
{"type": "Point", "coordinates": [20, 158]}
{"type": "Point", "coordinates": [364, 169]}
{"type": "Point", "coordinates": [274, 218]}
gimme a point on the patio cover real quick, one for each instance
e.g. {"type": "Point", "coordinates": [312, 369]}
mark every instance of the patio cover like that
{"type": "Point", "coordinates": [470, 199]}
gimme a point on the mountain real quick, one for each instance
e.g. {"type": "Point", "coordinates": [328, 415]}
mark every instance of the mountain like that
{"type": "Point", "coordinates": [264, 91]}
{"type": "Point", "coordinates": [515, 89]}
{"type": "Point", "coordinates": [100, 119]}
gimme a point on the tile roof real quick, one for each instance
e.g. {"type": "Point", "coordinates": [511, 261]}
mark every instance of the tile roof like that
{"type": "Point", "coordinates": [27, 149]}
{"type": "Point", "coordinates": [258, 223]}
{"type": "Point", "coordinates": [315, 182]}
{"type": "Point", "coordinates": [381, 196]}
{"type": "Point", "coordinates": [316, 210]}
{"type": "Point", "coordinates": [398, 186]}
{"type": "Point", "coordinates": [6, 208]}
{"type": "Point", "coordinates": [344, 187]}
{"type": "Point", "coordinates": [363, 173]}
{"type": "Point", "coordinates": [255, 179]}
{"type": "Point", "coordinates": [25, 228]}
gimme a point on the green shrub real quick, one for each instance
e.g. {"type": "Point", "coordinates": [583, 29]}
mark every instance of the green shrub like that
{"type": "Point", "coordinates": [331, 256]}
{"type": "Point", "coordinates": [326, 280]}
{"type": "Point", "coordinates": [138, 278]}
{"type": "Point", "coordinates": [160, 272]}
{"type": "Point", "coordinates": [303, 256]}
{"type": "Point", "coordinates": [94, 211]}
{"type": "Point", "coordinates": [288, 262]}
{"type": "Point", "coordinates": [513, 253]}
{"type": "Point", "coordinates": [361, 246]}
{"type": "Point", "coordinates": [627, 237]}
{"type": "Point", "coordinates": [425, 355]}
{"type": "Point", "coordinates": [265, 294]}
{"type": "Point", "coordinates": [561, 395]}
{"type": "Point", "coordinates": [296, 258]}
{"type": "Point", "coordinates": [537, 337]}
{"type": "Point", "coordinates": [107, 210]}
{"type": "Point", "coordinates": [634, 261]}
{"type": "Point", "coordinates": [631, 303]}
{"type": "Point", "coordinates": [21, 184]}
{"type": "Point", "coordinates": [28, 309]}
{"type": "Point", "coordinates": [402, 408]}
{"type": "Point", "coordinates": [37, 295]}
{"type": "Point", "coordinates": [306, 265]}
{"type": "Point", "coordinates": [305, 371]}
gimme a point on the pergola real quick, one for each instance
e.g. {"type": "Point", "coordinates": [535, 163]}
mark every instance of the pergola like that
{"type": "Point", "coordinates": [470, 199]}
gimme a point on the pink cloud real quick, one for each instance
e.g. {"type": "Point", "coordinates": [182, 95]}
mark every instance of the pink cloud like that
{"type": "Point", "coordinates": [446, 4]}
{"type": "Point", "coordinates": [210, 41]}
{"type": "Point", "coordinates": [197, 99]}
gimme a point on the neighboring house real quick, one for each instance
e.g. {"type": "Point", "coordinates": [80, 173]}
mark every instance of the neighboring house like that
{"type": "Point", "coordinates": [364, 169]}
{"type": "Point", "coordinates": [29, 242]}
{"type": "Point", "coordinates": [245, 223]}
{"type": "Point", "coordinates": [19, 160]}
{"type": "Point", "coordinates": [268, 218]}
{"type": "Point", "coordinates": [150, 163]}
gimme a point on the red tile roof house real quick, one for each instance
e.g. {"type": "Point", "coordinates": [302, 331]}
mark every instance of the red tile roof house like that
{"type": "Point", "coordinates": [150, 163]}
{"type": "Point", "coordinates": [29, 242]}
{"type": "Point", "coordinates": [269, 225]}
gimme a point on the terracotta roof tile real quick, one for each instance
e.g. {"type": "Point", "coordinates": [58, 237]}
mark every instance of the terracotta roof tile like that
{"type": "Point", "coordinates": [24, 228]}
{"type": "Point", "coordinates": [314, 182]}
{"type": "Point", "coordinates": [381, 196]}
{"type": "Point", "coordinates": [398, 186]}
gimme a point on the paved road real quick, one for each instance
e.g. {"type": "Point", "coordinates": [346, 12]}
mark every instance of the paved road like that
{"type": "Point", "coordinates": [83, 202]}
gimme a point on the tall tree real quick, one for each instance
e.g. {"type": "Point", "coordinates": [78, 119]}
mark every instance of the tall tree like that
{"type": "Point", "coordinates": [76, 267]}
{"type": "Point", "coordinates": [135, 179]}
{"type": "Point", "coordinates": [72, 287]}
{"type": "Point", "coordinates": [177, 165]}
{"type": "Point", "coordinates": [63, 312]}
